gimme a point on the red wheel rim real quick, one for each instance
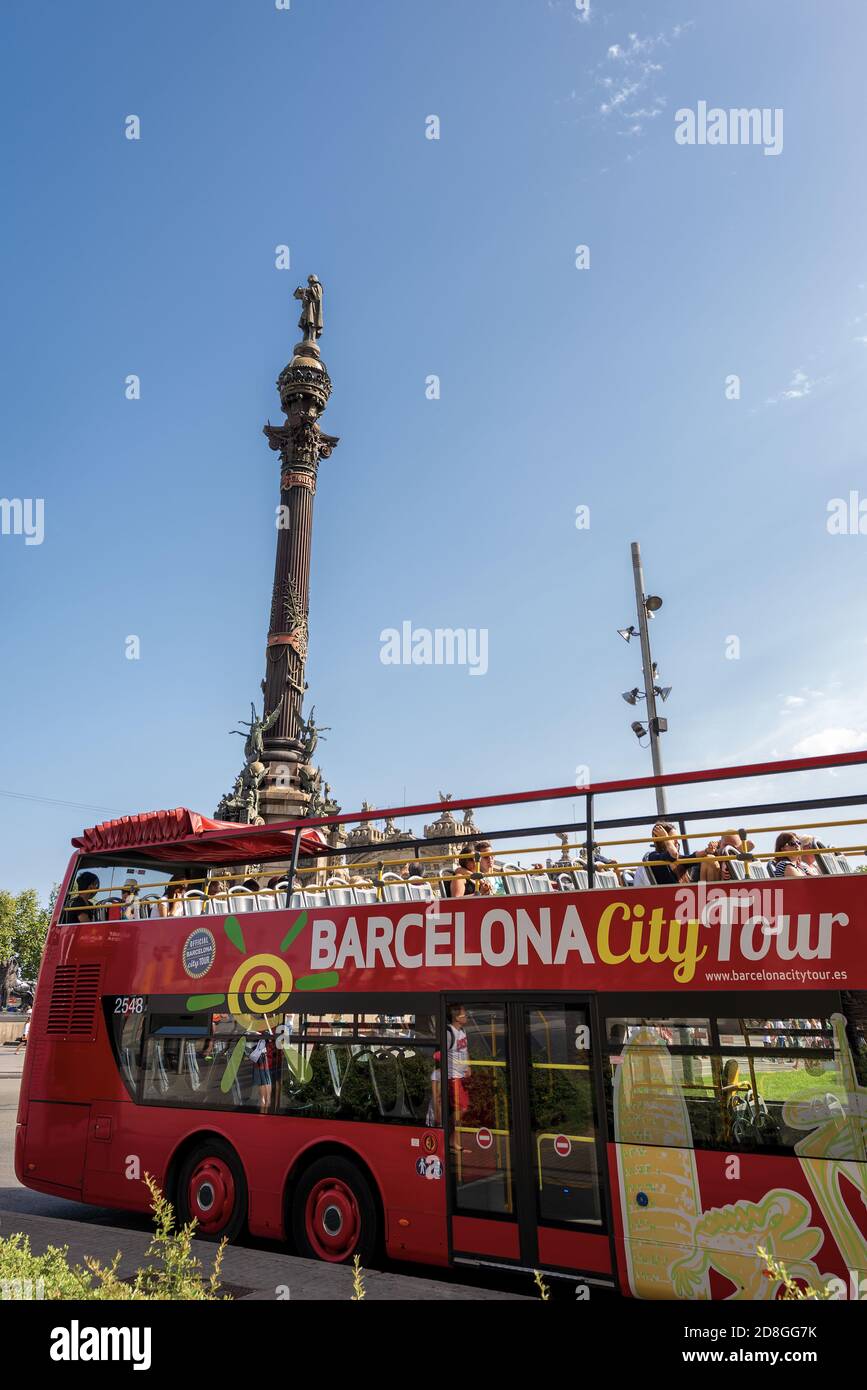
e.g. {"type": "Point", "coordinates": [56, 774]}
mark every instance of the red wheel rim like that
{"type": "Point", "coordinates": [211, 1195]}
{"type": "Point", "coordinates": [332, 1220]}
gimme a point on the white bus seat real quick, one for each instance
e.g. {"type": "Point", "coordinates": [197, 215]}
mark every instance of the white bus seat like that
{"type": "Point", "coordinates": [243, 900]}
{"type": "Point", "coordinates": [395, 889]}
{"type": "Point", "coordinates": [339, 895]}
{"type": "Point", "coordinates": [194, 903]}
{"type": "Point", "coordinates": [420, 890]}
{"type": "Point", "coordinates": [540, 883]}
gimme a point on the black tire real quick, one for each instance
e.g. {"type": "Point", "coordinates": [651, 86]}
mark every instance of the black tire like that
{"type": "Point", "coordinates": [204, 1194]}
{"type": "Point", "coordinates": [326, 1223]}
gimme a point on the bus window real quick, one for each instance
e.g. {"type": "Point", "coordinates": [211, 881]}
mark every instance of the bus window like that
{"type": "Point", "coordinates": [479, 1121]}
{"type": "Point", "coordinates": [562, 1115]}
{"type": "Point", "coordinates": [357, 1067]}
{"type": "Point", "coordinates": [767, 1084]}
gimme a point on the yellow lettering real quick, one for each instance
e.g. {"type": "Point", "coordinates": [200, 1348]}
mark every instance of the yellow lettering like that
{"type": "Point", "coordinates": [654, 950]}
{"type": "Point", "coordinates": [602, 944]}
{"type": "Point", "coordinates": [690, 955]}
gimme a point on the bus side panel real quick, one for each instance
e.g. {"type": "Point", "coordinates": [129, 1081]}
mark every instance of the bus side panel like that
{"type": "Point", "coordinates": [54, 1144]}
{"type": "Point", "coordinates": [688, 1223]}
{"type": "Point", "coordinates": [126, 1141]}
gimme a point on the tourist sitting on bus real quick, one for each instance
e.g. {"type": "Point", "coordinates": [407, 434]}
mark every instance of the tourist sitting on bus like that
{"type": "Point", "coordinates": [713, 868]}
{"type": "Point", "coordinates": [809, 863]}
{"type": "Point", "coordinates": [82, 908]}
{"type": "Point", "coordinates": [489, 880]}
{"type": "Point", "coordinates": [463, 881]}
{"type": "Point", "coordinates": [129, 900]}
{"type": "Point", "coordinates": [171, 904]}
{"type": "Point", "coordinates": [662, 860]}
{"type": "Point", "coordinates": [785, 867]}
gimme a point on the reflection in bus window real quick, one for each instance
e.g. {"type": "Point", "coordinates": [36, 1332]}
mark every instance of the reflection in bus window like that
{"type": "Point", "coordinates": [764, 1085]}
{"type": "Point", "coordinates": [478, 1109]}
{"type": "Point", "coordinates": [562, 1115]}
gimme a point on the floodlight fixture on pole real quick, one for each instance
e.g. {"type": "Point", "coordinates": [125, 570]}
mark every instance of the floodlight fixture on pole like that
{"type": "Point", "coordinates": [626, 633]}
{"type": "Point", "coordinates": [632, 696]}
{"type": "Point", "coordinates": [647, 604]}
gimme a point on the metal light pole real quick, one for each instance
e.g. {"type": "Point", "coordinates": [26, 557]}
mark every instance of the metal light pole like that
{"type": "Point", "coordinates": [647, 664]}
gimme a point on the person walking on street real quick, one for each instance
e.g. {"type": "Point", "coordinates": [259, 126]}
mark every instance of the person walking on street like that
{"type": "Point", "coordinates": [22, 1041]}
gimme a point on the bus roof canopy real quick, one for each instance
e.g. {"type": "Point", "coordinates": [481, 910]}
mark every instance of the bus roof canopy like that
{"type": "Point", "coordinates": [187, 836]}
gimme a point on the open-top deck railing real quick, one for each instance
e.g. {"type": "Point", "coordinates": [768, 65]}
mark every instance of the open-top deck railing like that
{"type": "Point", "coordinates": [421, 852]}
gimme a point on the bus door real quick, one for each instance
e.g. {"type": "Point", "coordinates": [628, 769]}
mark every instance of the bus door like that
{"type": "Point", "coordinates": [525, 1152]}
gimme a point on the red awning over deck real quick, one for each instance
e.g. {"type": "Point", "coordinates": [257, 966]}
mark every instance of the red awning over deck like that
{"type": "Point", "coordinates": [184, 836]}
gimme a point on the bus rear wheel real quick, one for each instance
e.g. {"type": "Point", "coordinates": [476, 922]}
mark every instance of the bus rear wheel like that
{"type": "Point", "coordinates": [212, 1191]}
{"type": "Point", "coordinates": [334, 1214]}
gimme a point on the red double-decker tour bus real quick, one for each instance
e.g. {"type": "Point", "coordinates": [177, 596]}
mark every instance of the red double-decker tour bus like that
{"type": "Point", "coordinates": [631, 1064]}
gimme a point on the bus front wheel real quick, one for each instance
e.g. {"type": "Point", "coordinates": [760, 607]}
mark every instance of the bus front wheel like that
{"type": "Point", "coordinates": [212, 1191]}
{"type": "Point", "coordinates": [334, 1214]}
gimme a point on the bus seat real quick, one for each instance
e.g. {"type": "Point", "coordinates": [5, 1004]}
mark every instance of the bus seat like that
{"type": "Point", "coordinates": [605, 878]}
{"type": "Point", "coordinates": [420, 890]}
{"type": "Point", "coordinates": [242, 900]}
{"type": "Point", "coordinates": [395, 889]}
{"type": "Point", "coordinates": [339, 894]}
{"type": "Point", "coordinates": [194, 903]}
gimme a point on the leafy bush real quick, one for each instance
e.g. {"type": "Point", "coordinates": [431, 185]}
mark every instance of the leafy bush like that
{"type": "Point", "coordinates": [173, 1274]}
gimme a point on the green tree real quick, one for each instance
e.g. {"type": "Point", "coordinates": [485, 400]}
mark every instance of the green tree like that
{"type": "Point", "coordinates": [23, 929]}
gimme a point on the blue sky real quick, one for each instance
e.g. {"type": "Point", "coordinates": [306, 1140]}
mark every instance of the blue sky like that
{"type": "Point", "coordinates": [559, 387]}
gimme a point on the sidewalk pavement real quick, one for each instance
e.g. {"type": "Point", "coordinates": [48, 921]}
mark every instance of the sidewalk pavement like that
{"type": "Point", "coordinates": [249, 1275]}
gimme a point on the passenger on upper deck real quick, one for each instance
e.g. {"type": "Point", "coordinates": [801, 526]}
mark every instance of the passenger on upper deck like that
{"type": "Point", "coordinates": [129, 900]}
{"type": "Point", "coordinates": [714, 869]}
{"type": "Point", "coordinates": [463, 881]}
{"type": "Point", "coordinates": [662, 861]}
{"type": "Point", "coordinates": [784, 867]}
{"type": "Point", "coordinates": [489, 881]}
{"type": "Point", "coordinates": [809, 863]}
{"type": "Point", "coordinates": [81, 909]}
{"type": "Point", "coordinates": [171, 904]}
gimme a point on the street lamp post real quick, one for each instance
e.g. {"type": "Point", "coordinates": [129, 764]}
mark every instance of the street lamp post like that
{"type": "Point", "coordinates": [641, 602]}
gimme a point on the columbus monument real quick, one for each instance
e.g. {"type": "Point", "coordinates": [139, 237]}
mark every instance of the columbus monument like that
{"type": "Point", "coordinates": [280, 780]}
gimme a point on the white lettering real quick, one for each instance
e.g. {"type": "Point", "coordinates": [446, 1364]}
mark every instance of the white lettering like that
{"type": "Point", "coordinates": [323, 948]}
{"type": "Point", "coordinates": [572, 938]}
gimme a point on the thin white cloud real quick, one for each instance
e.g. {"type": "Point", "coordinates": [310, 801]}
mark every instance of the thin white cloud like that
{"type": "Point", "coordinates": [827, 741]}
{"type": "Point", "coordinates": [630, 69]}
{"type": "Point", "coordinates": [800, 386]}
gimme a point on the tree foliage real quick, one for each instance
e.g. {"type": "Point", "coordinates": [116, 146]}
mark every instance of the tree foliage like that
{"type": "Point", "coordinates": [23, 929]}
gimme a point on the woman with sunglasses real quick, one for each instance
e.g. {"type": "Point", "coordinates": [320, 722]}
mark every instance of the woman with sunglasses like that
{"type": "Point", "coordinates": [784, 867]}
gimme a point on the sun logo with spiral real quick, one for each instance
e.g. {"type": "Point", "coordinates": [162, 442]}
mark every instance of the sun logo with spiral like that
{"type": "Point", "coordinates": [261, 987]}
